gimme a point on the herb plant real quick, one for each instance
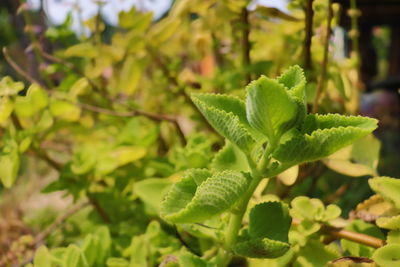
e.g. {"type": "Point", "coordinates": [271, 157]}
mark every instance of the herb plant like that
{"type": "Point", "coordinates": [264, 135]}
{"type": "Point", "coordinates": [169, 154]}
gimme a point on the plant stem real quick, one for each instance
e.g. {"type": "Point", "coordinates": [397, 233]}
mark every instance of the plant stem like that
{"type": "Point", "coordinates": [322, 79]}
{"type": "Point", "coordinates": [307, 40]}
{"type": "Point", "coordinates": [235, 220]}
{"type": "Point", "coordinates": [246, 43]}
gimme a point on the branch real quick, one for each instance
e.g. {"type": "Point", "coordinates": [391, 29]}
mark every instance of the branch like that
{"type": "Point", "coordinates": [46, 232]}
{"type": "Point", "coordinates": [349, 235]}
{"type": "Point", "coordinates": [151, 116]}
{"type": "Point", "coordinates": [96, 205]}
{"type": "Point", "coordinates": [324, 67]}
{"type": "Point", "coordinates": [244, 20]}
{"type": "Point", "coordinates": [309, 31]}
{"type": "Point", "coordinates": [154, 117]}
{"type": "Point", "coordinates": [70, 66]}
{"type": "Point", "coordinates": [19, 70]}
{"type": "Point", "coordinates": [40, 237]}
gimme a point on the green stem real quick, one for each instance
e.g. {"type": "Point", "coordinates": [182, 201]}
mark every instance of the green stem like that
{"type": "Point", "coordinates": [235, 220]}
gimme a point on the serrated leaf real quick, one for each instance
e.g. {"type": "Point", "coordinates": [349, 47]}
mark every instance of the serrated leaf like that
{"type": "Point", "coordinates": [388, 255]}
{"type": "Point", "coordinates": [188, 203]}
{"type": "Point", "coordinates": [271, 220]}
{"type": "Point", "coordinates": [294, 79]}
{"type": "Point", "coordinates": [323, 135]}
{"type": "Point", "coordinates": [269, 108]}
{"type": "Point", "coordinates": [226, 115]}
{"type": "Point", "coordinates": [304, 207]}
{"type": "Point", "coordinates": [267, 234]}
{"type": "Point", "coordinates": [261, 248]}
{"type": "Point", "coordinates": [390, 223]}
{"type": "Point", "coordinates": [230, 158]}
{"type": "Point", "coordinates": [388, 188]}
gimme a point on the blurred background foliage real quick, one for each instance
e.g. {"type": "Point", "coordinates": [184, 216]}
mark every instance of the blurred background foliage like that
{"type": "Point", "coordinates": [108, 126]}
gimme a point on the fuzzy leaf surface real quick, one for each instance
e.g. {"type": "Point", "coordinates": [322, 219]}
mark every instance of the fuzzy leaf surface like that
{"type": "Point", "coordinates": [227, 115]}
{"type": "Point", "coordinates": [269, 108]}
{"type": "Point", "coordinates": [188, 202]}
{"type": "Point", "coordinates": [230, 158]}
{"type": "Point", "coordinates": [322, 136]}
{"type": "Point", "coordinates": [294, 79]}
{"type": "Point", "coordinates": [267, 235]}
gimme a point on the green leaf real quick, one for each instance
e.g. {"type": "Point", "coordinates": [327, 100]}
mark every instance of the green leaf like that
{"type": "Point", "coordinates": [74, 257]}
{"type": "Point", "coordinates": [393, 237]}
{"type": "Point", "coordinates": [35, 100]}
{"type": "Point", "coordinates": [42, 258]}
{"type": "Point", "coordinates": [313, 209]}
{"type": "Point", "coordinates": [267, 235]}
{"type": "Point", "coordinates": [388, 255]}
{"type": "Point", "coordinates": [9, 164]}
{"type": "Point", "coordinates": [270, 109]}
{"type": "Point", "coordinates": [85, 50]}
{"type": "Point", "coordinates": [227, 115]}
{"type": "Point", "coordinates": [190, 260]}
{"type": "Point", "coordinates": [294, 79]}
{"type": "Point", "coordinates": [391, 223]}
{"type": "Point", "coordinates": [117, 262]}
{"type": "Point", "coordinates": [271, 220]}
{"type": "Point", "coordinates": [187, 202]}
{"type": "Point", "coordinates": [6, 107]}
{"type": "Point", "coordinates": [151, 191]}
{"type": "Point", "coordinates": [358, 159]}
{"type": "Point", "coordinates": [388, 188]}
{"type": "Point", "coordinates": [10, 88]}
{"type": "Point", "coordinates": [322, 136]}
{"type": "Point", "coordinates": [65, 110]}
{"type": "Point", "coordinates": [315, 254]}
{"type": "Point", "coordinates": [261, 248]}
{"type": "Point", "coordinates": [230, 158]}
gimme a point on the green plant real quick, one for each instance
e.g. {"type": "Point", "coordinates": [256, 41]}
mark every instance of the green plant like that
{"type": "Point", "coordinates": [265, 135]}
{"type": "Point", "coordinates": [128, 122]}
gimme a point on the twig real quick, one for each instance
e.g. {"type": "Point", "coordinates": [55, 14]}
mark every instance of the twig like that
{"type": "Point", "coordinates": [34, 41]}
{"type": "Point", "coordinates": [244, 20]}
{"type": "Point", "coordinates": [349, 235]}
{"type": "Point", "coordinates": [154, 117]}
{"type": "Point", "coordinates": [309, 31]}
{"type": "Point", "coordinates": [96, 205]}
{"type": "Point", "coordinates": [19, 70]}
{"type": "Point", "coordinates": [46, 232]}
{"type": "Point", "coordinates": [37, 150]}
{"type": "Point", "coordinates": [183, 242]}
{"type": "Point", "coordinates": [40, 237]}
{"type": "Point", "coordinates": [324, 66]}
{"type": "Point", "coordinates": [70, 66]}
